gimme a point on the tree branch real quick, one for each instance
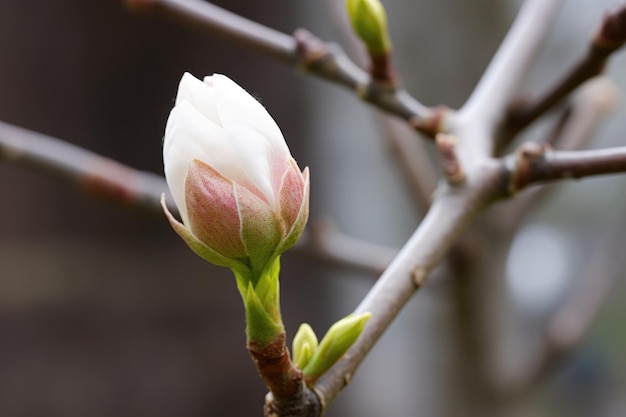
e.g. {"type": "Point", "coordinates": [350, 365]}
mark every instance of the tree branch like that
{"type": "Point", "coordinates": [507, 69]}
{"type": "Point", "coordinates": [573, 131]}
{"type": "Point", "coordinates": [609, 37]}
{"type": "Point", "coordinates": [209, 18]}
{"type": "Point", "coordinates": [447, 218]}
{"type": "Point", "coordinates": [99, 176]}
{"type": "Point", "coordinates": [323, 241]}
{"type": "Point", "coordinates": [413, 158]}
{"type": "Point", "coordinates": [304, 51]}
{"type": "Point", "coordinates": [534, 163]}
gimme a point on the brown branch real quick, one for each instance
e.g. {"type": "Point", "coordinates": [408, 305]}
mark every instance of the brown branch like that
{"type": "Point", "coordinates": [304, 51]}
{"type": "Point", "coordinates": [591, 105]}
{"type": "Point", "coordinates": [97, 175]}
{"type": "Point", "coordinates": [573, 131]}
{"type": "Point", "coordinates": [534, 163]}
{"type": "Point", "coordinates": [288, 395]}
{"type": "Point", "coordinates": [609, 37]}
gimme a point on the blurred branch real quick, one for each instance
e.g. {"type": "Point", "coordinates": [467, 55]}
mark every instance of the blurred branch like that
{"type": "Point", "coordinates": [593, 103]}
{"type": "Point", "coordinates": [500, 81]}
{"type": "Point", "coordinates": [535, 163]}
{"type": "Point", "coordinates": [303, 50]}
{"type": "Point", "coordinates": [609, 37]}
{"type": "Point", "coordinates": [105, 178]}
{"type": "Point", "coordinates": [568, 326]}
{"type": "Point", "coordinates": [209, 18]}
{"type": "Point", "coordinates": [413, 159]}
{"type": "Point", "coordinates": [98, 176]}
{"type": "Point", "coordinates": [574, 130]}
{"type": "Point", "coordinates": [323, 241]}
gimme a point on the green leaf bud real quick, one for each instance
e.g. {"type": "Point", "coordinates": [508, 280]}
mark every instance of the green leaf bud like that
{"type": "Point", "coordinates": [335, 343]}
{"type": "Point", "coordinates": [304, 345]}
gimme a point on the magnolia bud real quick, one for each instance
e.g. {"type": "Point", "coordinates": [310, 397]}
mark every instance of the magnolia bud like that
{"type": "Point", "coordinates": [335, 343]}
{"type": "Point", "coordinates": [241, 196]}
{"type": "Point", "coordinates": [369, 21]}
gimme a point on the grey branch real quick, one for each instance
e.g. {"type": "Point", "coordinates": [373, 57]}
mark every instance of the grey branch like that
{"type": "Point", "coordinates": [323, 241]}
{"type": "Point", "coordinates": [509, 66]}
{"type": "Point", "coordinates": [534, 163]}
{"type": "Point", "coordinates": [97, 175]}
{"type": "Point", "coordinates": [447, 218]}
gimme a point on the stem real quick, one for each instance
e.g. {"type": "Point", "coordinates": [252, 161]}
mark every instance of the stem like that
{"type": "Point", "coordinates": [274, 364]}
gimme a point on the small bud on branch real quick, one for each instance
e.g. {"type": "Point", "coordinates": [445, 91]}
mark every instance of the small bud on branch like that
{"type": "Point", "coordinates": [611, 34]}
{"type": "Point", "coordinates": [452, 170]}
{"type": "Point", "coordinates": [369, 21]}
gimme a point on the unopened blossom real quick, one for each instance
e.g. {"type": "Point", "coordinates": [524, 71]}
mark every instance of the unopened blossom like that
{"type": "Point", "coordinates": [240, 194]}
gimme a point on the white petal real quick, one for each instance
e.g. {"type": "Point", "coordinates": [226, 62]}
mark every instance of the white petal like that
{"type": "Point", "coordinates": [189, 136]}
{"type": "Point", "coordinates": [199, 94]}
{"type": "Point", "coordinates": [256, 155]}
{"type": "Point", "coordinates": [236, 107]}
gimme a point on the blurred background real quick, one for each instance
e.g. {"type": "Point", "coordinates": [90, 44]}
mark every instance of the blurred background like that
{"type": "Point", "coordinates": [105, 312]}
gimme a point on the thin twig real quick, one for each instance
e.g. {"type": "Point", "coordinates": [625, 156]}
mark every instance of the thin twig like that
{"type": "Point", "coordinates": [414, 160]}
{"type": "Point", "coordinates": [99, 176]}
{"type": "Point", "coordinates": [122, 184]}
{"type": "Point", "coordinates": [566, 328]}
{"type": "Point", "coordinates": [609, 37]}
{"type": "Point", "coordinates": [411, 155]}
{"type": "Point", "coordinates": [591, 105]}
{"type": "Point", "coordinates": [574, 131]}
{"type": "Point", "coordinates": [323, 241]}
{"type": "Point", "coordinates": [207, 17]}
{"type": "Point", "coordinates": [304, 51]}
{"type": "Point", "coordinates": [533, 163]}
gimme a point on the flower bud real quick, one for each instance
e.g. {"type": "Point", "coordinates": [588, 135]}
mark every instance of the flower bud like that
{"type": "Point", "coordinates": [369, 21]}
{"type": "Point", "coordinates": [335, 343]}
{"type": "Point", "coordinates": [304, 345]}
{"type": "Point", "coordinates": [241, 196]}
